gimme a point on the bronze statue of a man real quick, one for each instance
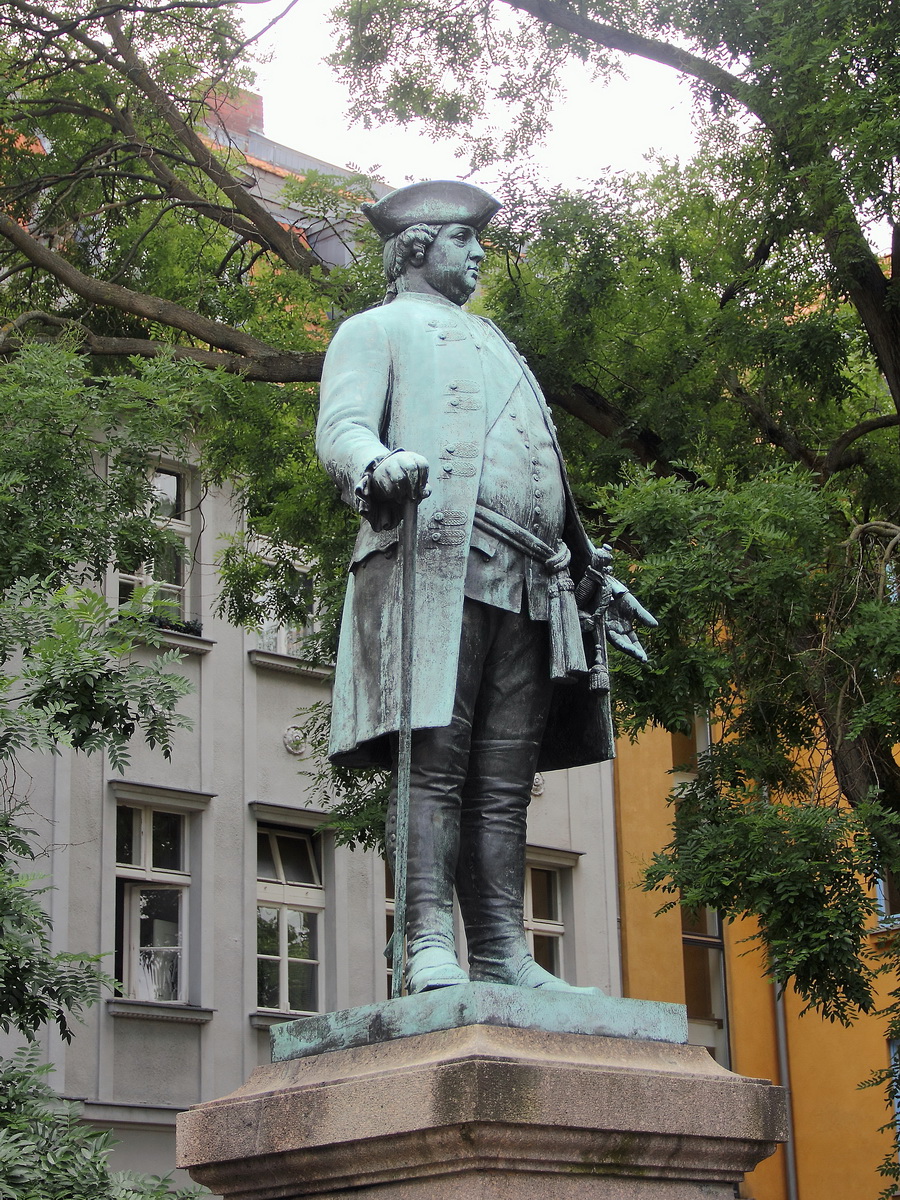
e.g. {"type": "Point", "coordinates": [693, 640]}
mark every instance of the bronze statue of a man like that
{"type": "Point", "coordinates": [421, 400]}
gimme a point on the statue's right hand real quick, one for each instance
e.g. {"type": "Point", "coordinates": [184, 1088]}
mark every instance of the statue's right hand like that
{"type": "Point", "coordinates": [401, 476]}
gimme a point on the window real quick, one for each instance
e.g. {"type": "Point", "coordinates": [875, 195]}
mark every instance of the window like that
{"type": "Point", "coordinates": [543, 917]}
{"type": "Point", "coordinates": [894, 1067]}
{"type": "Point", "coordinates": [170, 570]}
{"type": "Point", "coordinates": [152, 886]}
{"type": "Point", "coordinates": [888, 895]}
{"type": "Point", "coordinates": [290, 902]}
{"type": "Point", "coordinates": [292, 640]}
{"type": "Point", "coordinates": [389, 905]}
{"type": "Point", "coordinates": [703, 949]}
{"type": "Point", "coordinates": [283, 639]}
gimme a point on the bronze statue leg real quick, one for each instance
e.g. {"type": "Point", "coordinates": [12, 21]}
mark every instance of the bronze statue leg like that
{"type": "Point", "coordinates": [470, 785]}
{"type": "Point", "coordinates": [437, 772]}
{"type": "Point", "coordinates": [509, 719]}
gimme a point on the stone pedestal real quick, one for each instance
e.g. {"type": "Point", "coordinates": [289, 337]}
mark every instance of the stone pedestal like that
{"type": "Point", "coordinates": [486, 1110]}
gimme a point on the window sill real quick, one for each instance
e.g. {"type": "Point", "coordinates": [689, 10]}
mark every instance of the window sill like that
{"type": "Point", "coordinates": [159, 1010]}
{"type": "Point", "coordinates": [187, 643]}
{"type": "Point", "coordinates": [266, 1019]}
{"type": "Point", "coordinates": [270, 661]}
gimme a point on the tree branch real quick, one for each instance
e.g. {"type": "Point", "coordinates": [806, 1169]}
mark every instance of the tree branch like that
{"type": "Point", "coordinates": [282, 241]}
{"type": "Point", "coordinates": [835, 455]}
{"type": "Point", "coordinates": [758, 259]}
{"type": "Point", "coordinates": [175, 187]}
{"type": "Point", "coordinates": [767, 425]}
{"type": "Point", "coordinates": [273, 366]}
{"type": "Point", "coordinates": [598, 413]}
{"type": "Point", "coordinates": [138, 304]}
{"type": "Point", "coordinates": [124, 62]}
{"type": "Point", "coordinates": [613, 38]}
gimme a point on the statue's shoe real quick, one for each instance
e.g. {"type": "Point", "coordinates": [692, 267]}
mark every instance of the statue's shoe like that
{"type": "Point", "coordinates": [528, 974]}
{"type": "Point", "coordinates": [432, 967]}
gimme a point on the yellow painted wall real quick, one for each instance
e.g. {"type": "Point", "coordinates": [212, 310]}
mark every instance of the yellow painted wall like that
{"type": "Point", "coordinates": [837, 1143]}
{"type": "Point", "coordinates": [651, 945]}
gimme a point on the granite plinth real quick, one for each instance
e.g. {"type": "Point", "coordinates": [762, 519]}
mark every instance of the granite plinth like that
{"type": "Point", "coordinates": [486, 1111]}
{"type": "Point", "coordinates": [592, 1013]}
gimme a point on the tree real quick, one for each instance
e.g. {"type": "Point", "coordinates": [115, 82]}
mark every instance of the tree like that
{"type": "Point", "coordinates": [121, 221]}
{"type": "Point", "coordinates": [764, 549]}
{"type": "Point", "coordinates": [808, 89]}
{"type": "Point", "coordinates": [75, 496]}
{"type": "Point", "coordinates": [45, 1151]}
{"type": "Point", "coordinates": [698, 326]}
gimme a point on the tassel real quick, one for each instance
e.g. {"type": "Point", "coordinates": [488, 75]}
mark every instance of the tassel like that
{"type": "Point", "coordinates": [566, 643]}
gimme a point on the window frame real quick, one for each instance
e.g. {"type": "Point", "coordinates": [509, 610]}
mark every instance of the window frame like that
{"type": "Point", "coordinates": [141, 876]}
{"type": "Point", "coordinates": [712, 943]}
{"type": "Point", "coordinates": [543, 926]}
{"type": "Point", "coordinates": [888, 914]}
{"type": "Point", "coordinates": [287, 641]}
{"type": "Point", "coordinates": [179, 594]}
{"type": "Point", "coordinates": [284, 896]}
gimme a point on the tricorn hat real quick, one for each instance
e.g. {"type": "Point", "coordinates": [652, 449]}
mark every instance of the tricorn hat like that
{"type": "Point", "coordinates": [435, 202]}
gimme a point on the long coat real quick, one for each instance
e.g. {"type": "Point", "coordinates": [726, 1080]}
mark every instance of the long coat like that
{"type": "Point", "coordinates": [416, 374]}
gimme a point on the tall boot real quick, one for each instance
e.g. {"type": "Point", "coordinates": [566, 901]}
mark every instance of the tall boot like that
{"type": "Point", "coordinates": [490, 883]}
{"type": "Point", "coordinates": [431, 960]}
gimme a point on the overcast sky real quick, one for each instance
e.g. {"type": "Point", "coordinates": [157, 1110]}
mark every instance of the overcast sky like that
{"type": "Point", "coordinates": [597, 128]}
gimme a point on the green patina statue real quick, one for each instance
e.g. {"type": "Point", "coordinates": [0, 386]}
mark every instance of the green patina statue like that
{"type": "Point", "coordinates": [422, 402]}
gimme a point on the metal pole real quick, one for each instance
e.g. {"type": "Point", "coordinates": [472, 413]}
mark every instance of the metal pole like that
{"type": "Point", "coordinates": [784, 1078]}
{"type": "Point", "coordinates": [407, 623]}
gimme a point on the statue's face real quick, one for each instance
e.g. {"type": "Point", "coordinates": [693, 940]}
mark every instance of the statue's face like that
{"type": "Point", "coordinates": [452, 261]}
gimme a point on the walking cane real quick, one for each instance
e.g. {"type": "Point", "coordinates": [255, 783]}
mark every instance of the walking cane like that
{"type": "Point", "coordinates": [407, 621]}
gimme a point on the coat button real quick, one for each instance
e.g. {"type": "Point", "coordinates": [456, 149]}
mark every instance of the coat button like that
{"type": "Point", "coordinates": [448, 467]}
{"type": "Point", "coordinates": [454, 403]}
{"type": "Point", "coordinates": [454, 387]}
{"type": "Point", "coordinates": [438, 516]}
{"type": "Point", "coordinates": [435, 537]}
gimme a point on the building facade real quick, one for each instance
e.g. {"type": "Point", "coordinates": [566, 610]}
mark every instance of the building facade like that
{"type": "Point", "coordinates": [837, 1140]}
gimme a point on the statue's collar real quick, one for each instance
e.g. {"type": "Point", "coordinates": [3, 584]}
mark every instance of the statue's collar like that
{"type": "Point", "coordinates": [428, 298]}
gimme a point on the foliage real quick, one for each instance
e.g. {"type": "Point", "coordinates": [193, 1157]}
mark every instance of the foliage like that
{"type": "Point", "coordinates": [75, 494]}
{"type": "Point", "coordinates": [46, 1153]}
{"type": "Point", "coordinates": [77, 684]}
{"type": "Point", "coordinates": [357, 799]}
{"type": "Point", "coordinates": [802, 97]}
{"type": "Point", "coordinates": [129, 219]}
{"type": "Point", "coordinates": [76, 497]}
{"type": "Point", "coordinates": [806, 872]}
{"type": "Point", "coordinates": [888, 1078]}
